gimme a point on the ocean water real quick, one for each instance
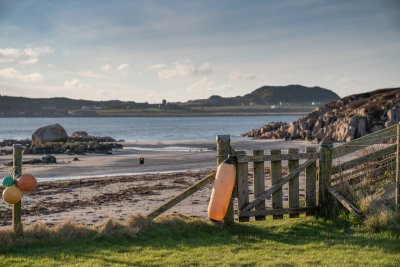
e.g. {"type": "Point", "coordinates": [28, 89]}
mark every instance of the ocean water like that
{"type": "Point", "coordinates": [143, 128]}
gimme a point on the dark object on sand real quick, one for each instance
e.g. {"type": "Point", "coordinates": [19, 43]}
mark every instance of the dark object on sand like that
{"type": "Point", "coordinates": [49, 159]}
{"type": "Point", "coordinates": [141, 161]}
{"type": "Point", "coordinates": [75, 159]}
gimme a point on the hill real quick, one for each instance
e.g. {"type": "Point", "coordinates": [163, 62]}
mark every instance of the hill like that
{"type": "Point", "coordinates": [292, 99]}
{"type": "Point", "coordinates": [275, 95]}
{"type": "Point", "coordinates": [341, 120]}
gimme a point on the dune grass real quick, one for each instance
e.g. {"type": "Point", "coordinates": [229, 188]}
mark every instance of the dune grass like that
{"type": "Point", "coordinates": [180, 241]}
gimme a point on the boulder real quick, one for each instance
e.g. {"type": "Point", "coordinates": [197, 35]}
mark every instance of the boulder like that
{"type": "Point", "coordinates": [362, 127]}
{"type": "Point", "coordinates": [49, 133]}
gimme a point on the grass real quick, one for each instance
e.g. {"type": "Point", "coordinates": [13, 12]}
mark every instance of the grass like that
{"type": "Point", "coordinates": [209, 111]}
{"type": "Point", "coordinates": [179, 241]}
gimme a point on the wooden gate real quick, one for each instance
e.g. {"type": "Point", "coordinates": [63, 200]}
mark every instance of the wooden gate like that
{"type": "Point", "coordinates": [325, 173]}
{"type": "Point", "coordinates": [297, 162]}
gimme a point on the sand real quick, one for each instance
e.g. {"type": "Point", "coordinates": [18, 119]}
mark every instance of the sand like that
{"type": "Point", "coordinates": [98, 186]}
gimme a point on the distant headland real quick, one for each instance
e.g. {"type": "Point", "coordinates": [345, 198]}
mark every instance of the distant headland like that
{"type": "Point", "coordinates": [266, 100]}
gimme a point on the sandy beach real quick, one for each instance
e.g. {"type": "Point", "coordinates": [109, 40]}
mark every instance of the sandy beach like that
{"type": "Point", "coordinates": [98, 186]}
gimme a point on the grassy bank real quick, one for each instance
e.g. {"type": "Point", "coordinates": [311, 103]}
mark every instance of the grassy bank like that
{"type": "Point", "coordinates": [183, 242]}
{"type": "Point", "coordinates": [206, 111]}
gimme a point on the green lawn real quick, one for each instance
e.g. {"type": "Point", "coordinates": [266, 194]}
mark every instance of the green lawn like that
{"type": "Point", "coordinates": [193, 242]}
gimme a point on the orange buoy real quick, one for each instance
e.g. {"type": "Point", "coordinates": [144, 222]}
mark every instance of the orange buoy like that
{"type": "Point", "coordinates": [222, 190]}
{"type": "Point", "coordinates": [12, 195]}
{"type": "Point", "coordinates": [26, 183]}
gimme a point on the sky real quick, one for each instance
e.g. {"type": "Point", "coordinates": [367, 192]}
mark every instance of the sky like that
{"type": "Point", "coordinates": [178, 50]}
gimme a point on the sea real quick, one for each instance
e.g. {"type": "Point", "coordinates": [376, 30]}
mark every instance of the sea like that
{"type": "Point", "coordinates": [142, 128]}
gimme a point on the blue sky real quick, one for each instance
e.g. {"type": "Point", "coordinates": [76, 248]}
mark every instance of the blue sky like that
{"type": "Point", "coordinates": [181, 50]}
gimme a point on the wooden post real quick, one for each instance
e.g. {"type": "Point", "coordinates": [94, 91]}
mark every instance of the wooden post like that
{"type": "Point", "coordinates": [294, 183]}
{"type": "Point", "coordinates": [259, 181]}
{"type": "Point", "coordinates": [345, 203]}
{"type": "Point", "coordinates": [223, 149]}
{"type": "Point", "coordinates": [398, 170]}
{"type": "Point", "coordinates": [242, 178]}
{"type": "Point", "coordinates": [17, 171]}
{"type": "Point", "coordinates": [276, 175]}
{"type": "Point", "coordinates": [311, 183]}
{"type": "Point", "coordinates": [325, 202]}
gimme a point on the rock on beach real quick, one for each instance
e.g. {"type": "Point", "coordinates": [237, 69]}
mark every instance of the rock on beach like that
{"type": "Point", "coordinates": [49, 133]}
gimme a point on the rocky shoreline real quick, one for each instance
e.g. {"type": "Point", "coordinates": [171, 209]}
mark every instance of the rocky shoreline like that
{"type": "Point", "coordinates": [341, 120]}
{"type": "Point", "coordinates": [53, 139]}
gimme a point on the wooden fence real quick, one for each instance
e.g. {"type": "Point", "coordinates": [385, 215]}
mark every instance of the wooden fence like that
{"type": "Point", "coordinates": [323, 171]}
{"type": "Point", "coordinates": [365, 162]}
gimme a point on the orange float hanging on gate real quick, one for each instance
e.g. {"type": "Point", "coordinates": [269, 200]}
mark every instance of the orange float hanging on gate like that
{"type": "Point", "coordinates": [27, 183]}
{"type": "Point", "coordinates": [222, 190]}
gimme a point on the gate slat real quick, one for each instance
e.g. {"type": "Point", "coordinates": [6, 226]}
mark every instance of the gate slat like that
{"type": "Point", "coordinates": [293, 184]}
{"type": "Point", "coordinates": [259, 181]}
{"type": "Point", "coordinates": [242, 173]}
{"type": "Point", "coordinates": [311, 183]}
{"type": "Point", "coordinates": [276, 175]}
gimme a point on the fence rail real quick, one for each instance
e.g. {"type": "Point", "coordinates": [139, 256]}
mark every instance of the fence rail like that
{"type": "Point", "coordinates": [378, 137]}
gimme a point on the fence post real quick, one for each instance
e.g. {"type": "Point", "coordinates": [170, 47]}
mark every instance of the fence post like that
{"type": "Point", "coordinates": [17, 171]}
{"type": "Point", "coordinates": [398, 170]}
{"type": "Point", "coordinates": [223, 149]}
{"type": "Point", "coordinates": [326, 204]}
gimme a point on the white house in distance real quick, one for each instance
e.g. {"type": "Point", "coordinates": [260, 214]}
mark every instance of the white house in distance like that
{"type": "Point", "coordinates": [94, 107]}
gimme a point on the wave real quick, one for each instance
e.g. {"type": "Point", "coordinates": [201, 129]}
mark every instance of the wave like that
{"type": "Point", "coordinates": [105, 175]}
{"type": "Point", "coordinates": [169, 149]}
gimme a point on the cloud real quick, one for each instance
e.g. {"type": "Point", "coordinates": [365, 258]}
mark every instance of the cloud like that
{"type": "Point", "coordinates": [206, 86]}
{"type": "Point", "coordinates": [31, 61]}
{"type": "Point", "coordinates": [106, 67]}
{"type": "Point", "coordinates": [181, 68]}
{"type": "Point", "coordinates": [36, 51]}
{"type": "Point", "coordinates": [31, 53]}
{"type": "Point", "coordinates": [74, 83]}
{"type": "Point", "coordinates": [123, 67]}
{"type": "Point", "coordinates": [13, 74]}
{"type": "Point", "coordinates": [242, 76]}
{"type": "Point", "coordinates": [157, 66]}
{"type": "Point", "coordinates": [9, 54]}
{"type": "Point", "coordinates": [82, 73]}
{"type": "Point", "coordinates": [91, 74]}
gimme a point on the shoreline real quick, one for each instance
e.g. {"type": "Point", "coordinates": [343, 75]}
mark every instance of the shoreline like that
{"type": "Point", "coordinates": [174, 115]}
{"type": "Point", "coordinates": [158, 159]}
{"type": "Point", "coordinates": [109, 175]}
